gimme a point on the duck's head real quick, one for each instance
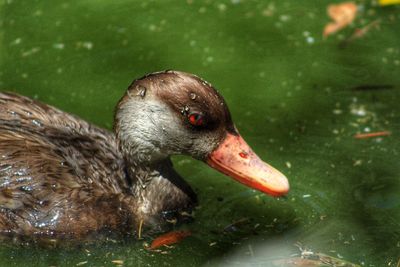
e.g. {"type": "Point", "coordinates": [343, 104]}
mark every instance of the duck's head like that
{"type": "Point", "coordinates": [171, 112]}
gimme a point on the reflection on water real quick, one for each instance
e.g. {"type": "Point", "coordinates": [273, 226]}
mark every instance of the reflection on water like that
{"type": "Point", "coordinates": [297, 99]}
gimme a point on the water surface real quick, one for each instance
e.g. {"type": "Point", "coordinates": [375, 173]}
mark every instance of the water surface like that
{"type": "Point", "coordinates": [292, 96]}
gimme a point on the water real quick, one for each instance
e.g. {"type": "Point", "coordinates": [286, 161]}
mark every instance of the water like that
{"type": "Point", "coordinates": [297, 99]}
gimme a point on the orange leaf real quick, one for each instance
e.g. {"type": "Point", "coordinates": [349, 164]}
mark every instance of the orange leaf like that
{"type": "Point", "coordinates": [169, 238]}
{"type": "Point", "coordinates": [342, 14]}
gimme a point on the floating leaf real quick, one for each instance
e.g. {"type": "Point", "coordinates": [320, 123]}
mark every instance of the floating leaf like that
{"type": "Point", "coordinates": [389, 2]}
{"type": "Point", "coordinates": [169, 238]}
{"type": "Point", "coordinates": [342, 14]}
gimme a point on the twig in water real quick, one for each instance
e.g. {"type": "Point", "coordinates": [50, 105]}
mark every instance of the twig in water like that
{"type": "Point", "coordinates": [370, 135]}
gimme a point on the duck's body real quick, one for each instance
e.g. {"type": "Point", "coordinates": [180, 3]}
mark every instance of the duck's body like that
{"type": "Point", "coordinates": [49, 158]}
{"type": "Point", "coordinates": [63, 177]}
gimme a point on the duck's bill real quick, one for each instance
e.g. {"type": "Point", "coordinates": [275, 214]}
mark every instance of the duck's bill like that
{"type": "Point", "coordinates": [236, 159]}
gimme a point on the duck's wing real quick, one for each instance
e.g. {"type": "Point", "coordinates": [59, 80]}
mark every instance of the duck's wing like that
{"type": "Point", "coordinates": [90, 151]}
{"type": "Point", "coordinates": [35, 185]}
{"type": "Point", "coordinates": [26, 114]}
{"type": "Point", "coordinates": [51, 162]}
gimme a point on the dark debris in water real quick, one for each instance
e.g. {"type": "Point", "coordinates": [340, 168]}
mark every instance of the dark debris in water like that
{"type": "Point", "coordinates": [372, 87]}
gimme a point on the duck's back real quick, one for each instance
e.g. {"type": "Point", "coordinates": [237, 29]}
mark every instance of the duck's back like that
{"type": "Point", "coordinates": [56, 172]}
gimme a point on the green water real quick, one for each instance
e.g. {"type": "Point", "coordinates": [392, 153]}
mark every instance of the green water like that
{"type": "Point", "coordinates": [290, 93]}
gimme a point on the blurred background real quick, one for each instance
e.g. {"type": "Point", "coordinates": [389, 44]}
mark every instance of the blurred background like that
{"type": "Point", "coordinates": [318, 102]}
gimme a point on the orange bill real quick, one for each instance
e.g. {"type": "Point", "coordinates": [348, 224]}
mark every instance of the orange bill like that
{"type": "Point", "coordinates": [236, 159]}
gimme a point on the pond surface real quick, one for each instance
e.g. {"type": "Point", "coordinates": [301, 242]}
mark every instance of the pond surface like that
{"type": "Point", "coordinates": [296, 98]}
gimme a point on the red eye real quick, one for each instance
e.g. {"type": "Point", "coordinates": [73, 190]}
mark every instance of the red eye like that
{"type": "Point", "coordinates": [196, 119]}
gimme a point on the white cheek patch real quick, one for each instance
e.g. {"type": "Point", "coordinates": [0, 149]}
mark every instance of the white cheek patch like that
{"type": "Point", "coordinates": [150, 129]}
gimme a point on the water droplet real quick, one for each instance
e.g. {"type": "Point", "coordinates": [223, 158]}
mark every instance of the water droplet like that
{"type": "Point", "coordinates": [205, 83]}
{"type": "Point", "coordinates": [6, 167]}
{"type": "Point", "coordinates": [50, 219]}
{"type": "Point", "coordinates": [141, 91]}
{"type": "Point", "coordinates": [37, 123]}
{"type": "Point", "coordinates": [26, 188]}
{"type": "Point", "coordinates": [20, 172]}
{"type": "Point", "coordinates": [193, 96]}
{"type": "Point", "coordinates": [185, 110]}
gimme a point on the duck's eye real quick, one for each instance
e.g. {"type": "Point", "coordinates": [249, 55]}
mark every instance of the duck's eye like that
{"type": "Point", "coordinates": [196, 119]}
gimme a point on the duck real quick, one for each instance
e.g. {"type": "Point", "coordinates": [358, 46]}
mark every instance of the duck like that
{"type": "Point", "coordinates": [63, 177]}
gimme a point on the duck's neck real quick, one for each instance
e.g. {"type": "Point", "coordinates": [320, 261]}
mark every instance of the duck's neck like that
{"type": "Point", "coordinates": [158, 188]}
